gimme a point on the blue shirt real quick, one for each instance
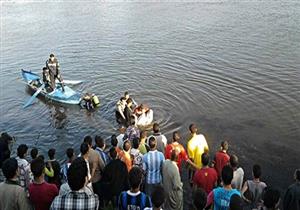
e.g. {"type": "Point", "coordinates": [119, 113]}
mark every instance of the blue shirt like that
{"type": "Point", "coordinates": [222, 198]}
{"type": "Point", "coordinates": [103, 155]}
{"type": "Point", "coordinates": [152, 165]}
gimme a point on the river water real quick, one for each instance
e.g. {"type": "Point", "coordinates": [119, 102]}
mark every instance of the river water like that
{"type": "Point", "coordinates": [231, 67]}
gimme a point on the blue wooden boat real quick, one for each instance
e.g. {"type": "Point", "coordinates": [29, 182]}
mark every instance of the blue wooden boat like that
{"type": "Point", "coordinates": [68, 96]}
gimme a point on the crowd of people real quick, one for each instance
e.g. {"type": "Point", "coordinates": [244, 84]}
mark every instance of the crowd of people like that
{"type": "Point", "coordinates": [138, 170]}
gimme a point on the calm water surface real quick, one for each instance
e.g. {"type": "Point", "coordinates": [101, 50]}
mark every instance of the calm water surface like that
{"type": "Point", "coordinates": [231, 67]}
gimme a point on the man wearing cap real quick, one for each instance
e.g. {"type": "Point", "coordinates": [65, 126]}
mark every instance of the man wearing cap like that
{"type": "Point", "coordinates": [54, 72]}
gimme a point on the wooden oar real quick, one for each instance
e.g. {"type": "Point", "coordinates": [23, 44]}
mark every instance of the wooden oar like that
{"type": "Point", "coordinates": [29, 102]}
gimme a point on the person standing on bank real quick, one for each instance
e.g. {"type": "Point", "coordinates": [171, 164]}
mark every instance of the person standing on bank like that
{"type": "Point", "coordinates": [54, 71]}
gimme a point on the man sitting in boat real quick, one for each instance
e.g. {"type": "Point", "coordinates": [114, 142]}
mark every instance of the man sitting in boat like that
{"type": "Point", "coordinates": [144, 115]}
{"type": "Point", "coordinates": [54, 72]}
{"type": "Point", "coordinates": [46, 79]}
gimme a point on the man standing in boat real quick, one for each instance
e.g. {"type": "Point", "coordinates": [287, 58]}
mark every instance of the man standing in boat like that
{"type": "Point", "coordinates": [54, 72]}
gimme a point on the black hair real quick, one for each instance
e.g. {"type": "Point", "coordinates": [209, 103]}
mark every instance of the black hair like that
{"type": "Point", "coordinates": [234, 161]}
{"type": "Point", "coordinates": [34, 152]}
{"type": "Point", "coordinates": [22, 149]}
{"type": "Point", "coordinates": [41, 157]}
{"type": "Point", "coordinates": [129, 100]}
{"type": "Point", "coordinates": [6, 137]}
{"type": "Point", "coordinates": [126, 93]}
{"type": "Point", "coordinates": [122, 98]}
{"type": "Point", "coordinates": [297, 174]}
{"type": "Point", "coordinates": [99, 141]}
{"type": "Point", "coordinates": [152, 142]}
{"type": "Point", "coordinates": [271, 197]}
{"type": "Point", "coordinates": [174, 155]}
{"type": "Point", "coordinates": [113, 153]}
{"type": "Point", "coordinates": [9, 168]}
{"type": "Point", "coordinates": [136, 143]}
{"type": "Point", "coordinates": [256, 171]}
{"type": "Point", "coordinates": [51, 153]}
{"type": "Point", "coordinates": [192, 128]}
{"type": "Point", "coordinates": [113, 140]}
{"type": "Point", "coordinates": [84, 148]}
{"type": "Point", "coordinates": [174, 134]}
{"type": "Point", "coordinates": [70, 152]}
{"type": "Point", "coordinates": [135, 177]}
{"type": "Point", "coordinates": [155, 128]}
{"type": "Point", "coordinates": [205, 159]}
{"type": "Point", "coordinates": [37, 167]}
{"type": "Point", "coordinates": [158, 196]}
{"type": "Point", "coordinates": [126, 142]}
{"type": "Point", "coordinates": [199, 198]}
{"type": "Point", "coordinates": [236, 202]}
{"type": "Point", "coordinates": [44, 68]}
{"type": "Point", "coordinates": [51, 55]}
{"type": "Point", "coordinates": [77, 174]}
{"type": "Point", "coordinates": [224, 145]}
{"type": "Point", "coordinates": [88, 140]}
{"type": "Point", "coordinates": [227, 175]}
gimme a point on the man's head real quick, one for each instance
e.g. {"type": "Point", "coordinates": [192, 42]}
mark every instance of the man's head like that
{"type": "Point", "coordinates": [205, 159]}
{"type": "Point", "coordinates": [52, 56]}
{"type": "Point", "coordinates": [34, 153]}
{"type": "Point", "coordinates": [70, 153]}
{"type": "Point", "coordinates": [236, 202]}
{"type": "Point", "coordinates": [234, 161]}
{"type": "Point", "coordinates": [176, 136]}
{"type": "Point", "coordinates": [100, 142]}
{"type": "Point", "coordinates": [84, 149]}
{"type": "Point", "coordinates": [193, 128]}
{"type": "Point", "coordinates": [10, 168]}
{"type": "Point", "coordinates": [271, 198]}
{"type": "Point", "coordinates": [227, 175]}
{"type": "Point", "coordinates": [113, 153]}
{"type": "Point", "coordinates": [158, 196]}
{"type": "Point", "coordinates": [37, 167]}
{"type": "Point", "coordinates": [126, 145]}
{"type": "Point", "coordinates": [88, 140]}
{"type": "Point", "coordinates": [135, 177]}
{"type": "Point", "coordinates": [297, 175]}
{"type": "Point", "coordinates": [77, 174]}
{"type": "Point", "coordinates": [6, 138]}
{"type": "Point", "coordinates": [129, 102]}
{"type": "Point", "coordinates": [174, 155]}
{"type": "Point", "coordinates": [224, 145]}
{"type": "Point", "coordinates": [143, 134]}
{"type": "Point", "coordinates": [156, 128]}
{"type": "Point", "coordinates": [22, 150]}
{"type": "Point", "coordinates": [199, 199]}
{"type": "Point", "coordinates": [256, 170]}
{"type": "Point", "coordinates": [113, 140]}
{"type": "Point", "coordinates": [126, 95]}
{"type": "Point", "coordinates": [51, 153]}
{"type": "Point", "coordinates": [135, 143]}
{"type": "Point", "coordinates": [132, 120]}
{"type": "Point", "coordinates": [123, 100]}
{"type": "Point", "coordinates": [152, 143]}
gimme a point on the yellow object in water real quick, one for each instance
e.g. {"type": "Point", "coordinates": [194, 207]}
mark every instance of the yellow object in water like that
{"type": "Point", "coordinates": [95, 101]}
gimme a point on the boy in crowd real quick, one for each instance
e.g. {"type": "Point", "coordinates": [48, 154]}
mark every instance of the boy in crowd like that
{"type": "Point", "coordinates": [134, 199]}
{"type": "Point", "coordinates": [40, 192]}
{"type": "Point", "coordinates": [78, 198]}
{"type": "Point", "coordinates": [12, 195]}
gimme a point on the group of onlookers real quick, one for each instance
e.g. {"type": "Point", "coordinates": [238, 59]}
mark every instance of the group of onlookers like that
{"type": "Point", "coordinates": [137, 171]}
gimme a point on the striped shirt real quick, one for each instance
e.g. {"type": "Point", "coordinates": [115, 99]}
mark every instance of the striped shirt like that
{"type": "Point", "coordinates": [152, 165]}
{"type": "Point", "coordinates": [79, 200]}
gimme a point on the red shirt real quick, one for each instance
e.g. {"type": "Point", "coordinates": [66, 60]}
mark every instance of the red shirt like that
{"type": "Point", "coordinates": [42, 195]}
{"type": "Point", "coordinates": [182, 155]}
{"type": "Point", "coordinates": [221, 160]}
{"type": "Point", "coordinates": [205, 178]}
